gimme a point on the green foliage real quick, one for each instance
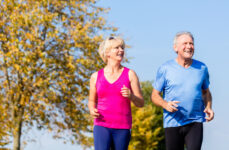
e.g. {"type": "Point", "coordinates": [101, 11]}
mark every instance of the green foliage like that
{"type": "Point", "coordinates": [48, 50]}
{"type": "Point", "coordinates": [147, 130]}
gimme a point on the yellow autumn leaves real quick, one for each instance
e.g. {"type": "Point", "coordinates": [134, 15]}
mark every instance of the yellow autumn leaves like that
{"type": "Point", "coordinates": [48, 49]}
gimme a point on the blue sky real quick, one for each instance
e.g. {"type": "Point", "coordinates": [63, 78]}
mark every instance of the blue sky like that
{"type": "Point", "coordinates": [149, 27]}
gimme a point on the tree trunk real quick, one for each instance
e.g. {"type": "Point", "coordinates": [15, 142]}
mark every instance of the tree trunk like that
{"type": "Point", "coordinates": [17, 130]}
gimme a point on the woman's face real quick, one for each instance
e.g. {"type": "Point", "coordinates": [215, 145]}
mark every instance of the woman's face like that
{"type": "Point", "coordinates": [116, 52]}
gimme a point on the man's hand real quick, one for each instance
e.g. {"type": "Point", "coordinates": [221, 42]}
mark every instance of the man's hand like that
{"type": "Point", "coordinates": [171, 106]}
{"type": "Point", "coordinates": [210, 114]}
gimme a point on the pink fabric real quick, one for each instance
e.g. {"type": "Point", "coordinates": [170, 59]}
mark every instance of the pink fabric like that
{"type": "Point", "coordinates": [114, 109]}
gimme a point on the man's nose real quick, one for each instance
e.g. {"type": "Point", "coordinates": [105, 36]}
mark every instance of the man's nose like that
{"type": "Point", "coordinates": [189, 45]}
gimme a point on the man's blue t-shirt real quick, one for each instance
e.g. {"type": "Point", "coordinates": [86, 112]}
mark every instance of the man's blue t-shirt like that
{"type": "Point", "coordinates": [184, 85]}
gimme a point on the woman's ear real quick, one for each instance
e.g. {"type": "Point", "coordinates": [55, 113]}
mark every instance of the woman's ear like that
{"type": "Point", "coordinates": [107, 53]}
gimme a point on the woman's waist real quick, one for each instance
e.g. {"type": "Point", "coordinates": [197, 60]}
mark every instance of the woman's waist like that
{"type": "Point", "coordinates": [114, 112]}
{"type": "Point", "coordinates": [114, 121]}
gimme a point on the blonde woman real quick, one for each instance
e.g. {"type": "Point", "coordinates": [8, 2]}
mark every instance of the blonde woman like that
{"type": "Point", "coordinates": [111, 91]}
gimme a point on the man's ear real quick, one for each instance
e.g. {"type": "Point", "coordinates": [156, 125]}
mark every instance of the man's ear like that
{"type": "Point", "coordinates": [175, 48]}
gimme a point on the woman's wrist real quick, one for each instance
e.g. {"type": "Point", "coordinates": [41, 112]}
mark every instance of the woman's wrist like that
{"type": "Point", "coordinates": [131, 97]}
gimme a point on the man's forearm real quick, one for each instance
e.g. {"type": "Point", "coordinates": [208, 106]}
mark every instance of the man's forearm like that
{"type": "Point", "coordinates": [207, 99]}
{"type": "Point", "coordinates": [158, 100]}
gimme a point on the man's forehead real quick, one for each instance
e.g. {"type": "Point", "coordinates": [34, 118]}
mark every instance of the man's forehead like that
{"type": "Point", "coordinates": [184, 37]}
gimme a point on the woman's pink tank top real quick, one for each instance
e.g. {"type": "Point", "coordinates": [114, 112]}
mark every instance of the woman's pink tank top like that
{"type": "Point", "coordinates": [114, 109]}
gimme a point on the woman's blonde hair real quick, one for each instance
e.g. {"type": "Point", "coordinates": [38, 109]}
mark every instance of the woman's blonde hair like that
{"type": "Point", "coordinates": [108, 44]}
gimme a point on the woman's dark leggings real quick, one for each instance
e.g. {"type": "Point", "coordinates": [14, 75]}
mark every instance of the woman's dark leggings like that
{"type": "Point", "coordinates": [190, 136]}
{"type": "Point", "coordinates": [111, 139]}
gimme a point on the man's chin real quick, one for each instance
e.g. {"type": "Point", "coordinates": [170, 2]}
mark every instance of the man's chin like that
{"type": "Point", "coordinates": [188, 57]}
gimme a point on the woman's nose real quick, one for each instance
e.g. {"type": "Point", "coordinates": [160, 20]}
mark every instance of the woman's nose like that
{"type": "Point", "coordinates": [121, 49]}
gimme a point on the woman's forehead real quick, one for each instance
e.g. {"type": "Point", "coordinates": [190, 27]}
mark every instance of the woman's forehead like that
{"type": "Point", "coordinates": [117, 42]}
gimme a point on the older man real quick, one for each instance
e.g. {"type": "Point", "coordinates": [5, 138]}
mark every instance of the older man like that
{"type": "Point", "coordinates": [187, 100]}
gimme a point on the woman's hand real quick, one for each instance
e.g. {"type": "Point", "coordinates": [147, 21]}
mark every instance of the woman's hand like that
{"type": "Point", "coordinates": [94, 113]}
{"type": "Point", "coordinates": [126, 92]}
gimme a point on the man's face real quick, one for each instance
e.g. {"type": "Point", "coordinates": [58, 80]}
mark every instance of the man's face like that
{"type": "Point", "coordinates": [184, 47]}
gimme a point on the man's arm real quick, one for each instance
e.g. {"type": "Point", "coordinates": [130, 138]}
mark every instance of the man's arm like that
{"type": "Point", "coordinates": [208, 104]}
{"type": "Point", "coordinates": [156, 98]}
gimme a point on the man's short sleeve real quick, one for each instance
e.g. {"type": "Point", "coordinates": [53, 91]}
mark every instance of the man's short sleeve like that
{"type": "Point", "coordinates": [206, 80]}
{"type": "Point", "coordinates": [159, 83]}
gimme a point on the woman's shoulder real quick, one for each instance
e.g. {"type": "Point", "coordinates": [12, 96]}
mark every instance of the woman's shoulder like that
{"type": "Point", "coordinates": [94, 77]}
{"type": "Point", "coordinates": [130, 71]}
{"type": "Point", "coordinates": [95, 74]}
{"type": "Point", "coordinates": [132, 74]}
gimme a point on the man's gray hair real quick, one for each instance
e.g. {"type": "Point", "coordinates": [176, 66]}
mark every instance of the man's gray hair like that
{"type": "Point", "coordinates": [182, 33]}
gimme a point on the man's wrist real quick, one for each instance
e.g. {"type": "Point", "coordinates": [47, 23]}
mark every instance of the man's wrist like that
{"type": "Point", "coordinates": [164, 104]}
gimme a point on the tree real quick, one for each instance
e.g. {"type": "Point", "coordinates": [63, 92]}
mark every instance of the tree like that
{"type": "Point", "coordinates": [4, 135]}
{"type": "Point", "coordinates": [48, 50]}
{"type": "Point", "coordinates": [147, 130]}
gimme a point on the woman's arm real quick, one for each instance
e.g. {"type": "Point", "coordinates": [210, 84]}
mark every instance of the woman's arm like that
{"type": "Point", "coordinates": [93, 96]}
{"type": "Point", "coordinates": [135, 96]}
